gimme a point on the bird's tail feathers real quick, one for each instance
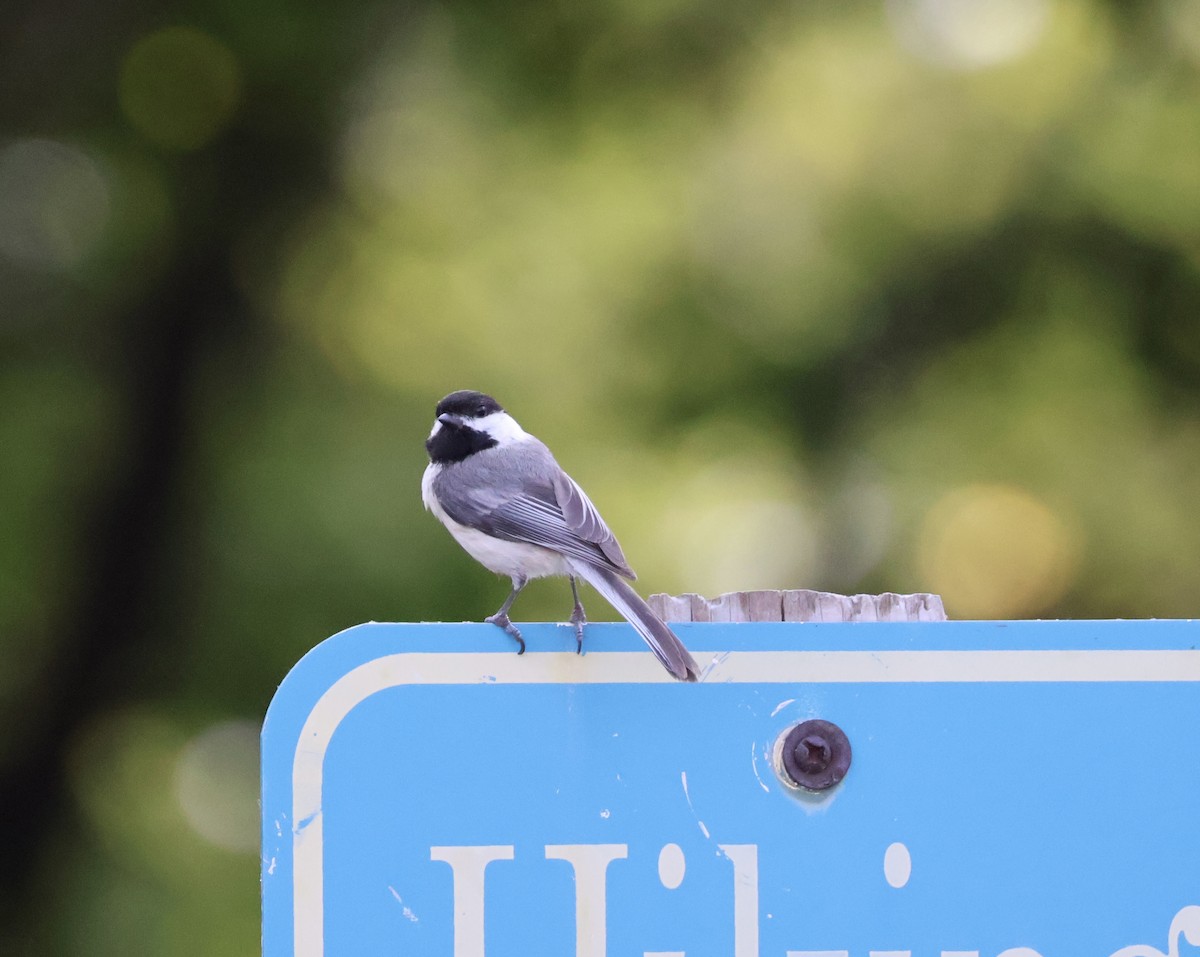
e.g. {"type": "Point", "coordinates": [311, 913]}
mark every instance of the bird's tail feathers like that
{"type": "Point", "coordinates": [662, 640]}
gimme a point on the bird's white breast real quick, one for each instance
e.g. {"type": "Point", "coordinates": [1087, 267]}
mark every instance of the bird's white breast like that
{"type": "Point", "coordinates": [495, 554]}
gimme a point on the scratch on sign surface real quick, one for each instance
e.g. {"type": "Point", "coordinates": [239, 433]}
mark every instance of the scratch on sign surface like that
{"type": "Point", "coordinates": [399, 900]}
{"type": "Point", "coordinates": [716, 660]}
{"type": "Point", "coordinates": [783, 704]}
{"type": "Point", "coordinates": [703, 828]}
{"type": "Point", "coordinates": [754, 763]}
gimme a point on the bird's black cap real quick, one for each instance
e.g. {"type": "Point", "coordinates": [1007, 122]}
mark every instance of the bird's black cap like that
{"type": "Point", "coordinates": [469, 404]}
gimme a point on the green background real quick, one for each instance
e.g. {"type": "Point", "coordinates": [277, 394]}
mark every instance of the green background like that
{"type": "Point", "coordinates": [856, 296]}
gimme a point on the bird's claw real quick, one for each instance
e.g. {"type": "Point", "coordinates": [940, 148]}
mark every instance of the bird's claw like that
{"type": "Point", "coordinates": [503, 621]}
{"type": "Point", "coordinates": [578, 619]}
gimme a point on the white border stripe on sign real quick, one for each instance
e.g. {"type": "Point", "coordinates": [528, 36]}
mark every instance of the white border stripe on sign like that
{"type": "Point", "coordinates": [766, 667]}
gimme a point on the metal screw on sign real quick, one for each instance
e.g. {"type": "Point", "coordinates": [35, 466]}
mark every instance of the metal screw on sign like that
{"type": "Point", "coordinates": [815, 755]}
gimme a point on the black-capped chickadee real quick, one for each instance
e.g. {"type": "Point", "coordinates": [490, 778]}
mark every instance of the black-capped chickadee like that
{"type": "Point", "coordinates": [506, 501]}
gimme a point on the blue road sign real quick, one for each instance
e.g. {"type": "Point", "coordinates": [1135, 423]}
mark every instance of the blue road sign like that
{"type": "Point", "coordinates": [1018, 789]}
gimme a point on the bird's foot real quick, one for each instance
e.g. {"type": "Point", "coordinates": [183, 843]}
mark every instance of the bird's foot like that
{"type": "Point", "coordinates": [501, 619]}
{"type": "Point", "coordinates": [578, 619]}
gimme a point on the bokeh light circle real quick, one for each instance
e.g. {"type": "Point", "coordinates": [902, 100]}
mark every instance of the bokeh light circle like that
{"type": "Point", "coordinates": [996, 552]}
{"type": "Point", "coordinates": [216, 781]}
{"type": "Point", "coordinates": [180, 87]}
{"type": "Point", "coordinates": [54, 203]}
{"type": "Point", "coordinates": [969, 34]}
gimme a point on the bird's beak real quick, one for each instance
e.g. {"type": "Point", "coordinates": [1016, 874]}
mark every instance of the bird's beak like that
{"type": "Point", "coordinates": [447, 419]}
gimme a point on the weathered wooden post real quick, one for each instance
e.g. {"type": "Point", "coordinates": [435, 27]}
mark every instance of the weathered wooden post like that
{"type": "Point", "coordinates": [798, 605]}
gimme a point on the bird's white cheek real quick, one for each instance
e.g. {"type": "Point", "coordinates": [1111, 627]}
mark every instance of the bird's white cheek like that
{"type": "Point", "coordinates": [502, 427]}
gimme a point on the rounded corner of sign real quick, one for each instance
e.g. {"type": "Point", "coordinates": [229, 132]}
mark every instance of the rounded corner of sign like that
{"type": "Point", "coordinates": [333, 657]}
{"type": "Point", "coordinates": [310, 660]}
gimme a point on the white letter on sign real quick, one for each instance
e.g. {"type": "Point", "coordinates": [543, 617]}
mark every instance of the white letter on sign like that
{"type": "Point", "coordinates": [467, 864]}
{"type": "Point", "coordinates": [590, 863]}
{"type": "Point", "coordinates": [745, 897]}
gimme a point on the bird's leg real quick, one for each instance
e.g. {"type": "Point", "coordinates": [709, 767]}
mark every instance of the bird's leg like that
{"type": "Point", "coordinates": [578, 618]}
{"type": "Point", "coordinates": [501, 617]}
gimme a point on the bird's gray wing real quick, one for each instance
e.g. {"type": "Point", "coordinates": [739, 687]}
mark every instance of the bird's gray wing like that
{"type": "Point", "coordinates": [522, 495]}
{"type": "Point", "coordinates": [581, 516]}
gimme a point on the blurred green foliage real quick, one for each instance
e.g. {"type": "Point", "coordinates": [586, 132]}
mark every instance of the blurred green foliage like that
{"type": "Point", "coordinates": [894, 295]}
